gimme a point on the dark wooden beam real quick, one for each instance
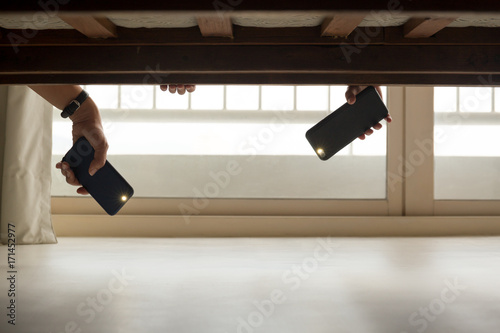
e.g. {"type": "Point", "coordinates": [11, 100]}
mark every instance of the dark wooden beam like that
{"type": "Point", "coordinates": [276, 78]}
{"type": "Point", "coordinates": [447, 36]}
{"type": "Point", "coordinates": [425, 27]}
{"type": "Point", "coordinates": [340, 25]}
{"type": "Point", "coordinates": [240, 59]}
{"type": "Point", "coordinates": [425, 7]}
{"type": "Point", "coordinates": [215, 26]}
{"type": "Point", "coordinates": [253, 36]}
{"type": "Point", "coordinates": [192, 36]}
{"type": "Point", "coordinates": [91, 26]}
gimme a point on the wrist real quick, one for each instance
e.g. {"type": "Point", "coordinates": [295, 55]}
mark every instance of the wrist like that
{"type": "Point", "coordinates": [88, 111]}
{"type": "Point", "coordinates": [75, 104]}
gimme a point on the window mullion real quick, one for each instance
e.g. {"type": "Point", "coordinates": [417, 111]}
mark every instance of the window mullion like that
{"type": "Point", "coordinates": [418, 162]}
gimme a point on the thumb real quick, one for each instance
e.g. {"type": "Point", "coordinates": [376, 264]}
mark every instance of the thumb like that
{"type": "Point", "coordinates": [99, 158]}
{"type": "Point", "coordinates": [351, 93]}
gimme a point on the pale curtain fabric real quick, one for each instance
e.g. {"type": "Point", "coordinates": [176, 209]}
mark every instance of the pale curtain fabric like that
{"type": "Point", "coordinates": [25, 165]}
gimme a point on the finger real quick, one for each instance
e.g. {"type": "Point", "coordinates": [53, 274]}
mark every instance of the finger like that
{"type": "Point", "coordinates": [351, 93]}
{"type": "Point", "coordinates": [181, 89]}
{"type": "Point", "coordinates": [82, 191]}
{"type": "Point", "coordinates": [99, 160]}
{"type": "Point", "coordinates": [388, 118]}
{"type": "Point", "coordinates": [70, 178]}
{"type": "Point", "coordinates": [65, 169]}
{"type": "Point", "coordinates": [362, 137]}
{"type": "Point", "coordinates": [64, 166]}
{"type": "Point", "coordinates": [379, 90]}
{"type": "Point", "coordinates": [190, 88]}
{"type": "Point", "coordinates": [58, 165]}
{"type": "Point", "coordinates": [164, 87]}
{"type": "Point", "coordinates": [369, 132]}
{"type": "Point", "coordinates": [172, 88]}
{"type": "Point", "coordinates": [377, 126]}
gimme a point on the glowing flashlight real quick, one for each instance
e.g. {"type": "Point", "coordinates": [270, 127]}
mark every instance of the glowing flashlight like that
{"type": "Point", "coordinates": [320, 152]}
{"type": "Point", "coordinates": [124, 198]}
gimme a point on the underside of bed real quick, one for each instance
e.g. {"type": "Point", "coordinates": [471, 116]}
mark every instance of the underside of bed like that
{"type": "Point", "coordinates": [252, 42]}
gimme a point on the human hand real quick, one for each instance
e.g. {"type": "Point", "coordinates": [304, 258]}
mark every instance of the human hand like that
{"type": "Point", "coordinates": [350, 95]}
{"type": "Point", "coordinates": [87, 122]}
{"type": "Point", "coordinates": [180, 88]}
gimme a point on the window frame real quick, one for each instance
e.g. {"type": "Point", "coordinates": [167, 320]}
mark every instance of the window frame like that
{"type": "Point", "coordinates": [413, 119]}
{"type": "Point", "coordinates": [392, 205]}
{"type": "Point", "coordinates": [419, 194]}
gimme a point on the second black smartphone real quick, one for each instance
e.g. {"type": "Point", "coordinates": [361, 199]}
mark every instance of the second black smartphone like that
{"type": "Point", "coordinates": [345, 124]}
{"type": "Point", "coordinates": [106, 186]}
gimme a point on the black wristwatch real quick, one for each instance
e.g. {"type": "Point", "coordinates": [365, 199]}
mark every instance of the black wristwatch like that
{"type": "Point", "coordinates": [75, 104]}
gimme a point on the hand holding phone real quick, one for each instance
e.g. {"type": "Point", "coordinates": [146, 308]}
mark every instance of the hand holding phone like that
{"type": "Point", "coordinates": [347, 123]}
{"type": "Point", "coordinates": [106, 186]}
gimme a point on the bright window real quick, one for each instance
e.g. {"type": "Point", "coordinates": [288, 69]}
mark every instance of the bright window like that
{"type": "Point", "coordinates": [467, 154]}
{"type": "Point", "coordinates": [169, 145]}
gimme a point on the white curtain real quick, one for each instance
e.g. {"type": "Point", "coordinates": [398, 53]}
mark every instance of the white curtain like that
{"type": "Point", "coordinates": [25, 165]}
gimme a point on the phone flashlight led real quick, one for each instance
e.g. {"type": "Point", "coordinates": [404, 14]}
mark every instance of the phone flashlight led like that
{"type": "Point", "coordinates": [320, 152]}
{"type": "Point", "coordinates": [124, 198]}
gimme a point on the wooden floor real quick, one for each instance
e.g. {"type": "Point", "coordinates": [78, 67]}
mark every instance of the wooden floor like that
{"type": "Point", "coordinates": [256, 285]}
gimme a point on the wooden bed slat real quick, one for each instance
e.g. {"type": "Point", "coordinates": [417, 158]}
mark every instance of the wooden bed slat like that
{"type": "Point", "coordinates": [340, 25]}
{"type": "Point", "coordinates": [215, 26]}
{"type": "Point", "coordinates": [90, 26]}
{"type": "Point", "coordinates": [425, 27]}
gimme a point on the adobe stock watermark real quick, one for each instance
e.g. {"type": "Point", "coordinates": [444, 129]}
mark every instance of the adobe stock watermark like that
{"type": "Point", "coordinates": [363, 38]}
{"type": "Point", "coordinates": [427, 314]}
{"type": "Point", "coordinates": [425, 147]}
{"type": "Point", "coordinates": [138, 94]}
{"type": "Point", "coordinates": [292, 279]}
{"type": "Point", "coordinates": [38, 21]}
{"type": "Point", "coordinates": [88, 310]}
{"type": "Point", "coordinates": [220, 179]}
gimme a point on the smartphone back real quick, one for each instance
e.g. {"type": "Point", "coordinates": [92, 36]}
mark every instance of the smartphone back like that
{"type": "Point", "coordinates": [345, 124]}
{"type": "Point", "coordinates": [107, 186]}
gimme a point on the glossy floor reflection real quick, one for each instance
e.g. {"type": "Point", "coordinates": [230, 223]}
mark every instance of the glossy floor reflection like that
{"type": "Point", "coordinates": [256, 285]}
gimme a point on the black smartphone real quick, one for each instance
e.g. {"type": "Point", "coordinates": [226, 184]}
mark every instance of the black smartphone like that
{"type": "Point", "coordinates": [106, 186]}
{"type": "Point", "coordinates": [345, 124]}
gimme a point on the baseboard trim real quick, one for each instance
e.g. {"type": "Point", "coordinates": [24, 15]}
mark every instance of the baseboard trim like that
{"type": "Point", "coordinates": [273, 226]}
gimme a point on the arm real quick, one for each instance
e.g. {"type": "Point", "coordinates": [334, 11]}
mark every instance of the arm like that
{"type": "Point", "coordinates": [86, 122]}
{"type": "Point", "coordinates": [58, 95]}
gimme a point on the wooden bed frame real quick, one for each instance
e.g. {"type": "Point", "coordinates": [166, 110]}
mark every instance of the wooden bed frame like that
{"type": "Point", "coordinates": [423, 51]}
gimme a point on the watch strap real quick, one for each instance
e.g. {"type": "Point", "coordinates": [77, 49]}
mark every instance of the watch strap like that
{"type": "Point", "coordinates": [75, 104]}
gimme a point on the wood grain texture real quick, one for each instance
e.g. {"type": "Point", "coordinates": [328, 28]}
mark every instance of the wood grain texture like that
{"type": "Point", "coordinates": [340, 25]}
{"type": "Point", "coordinates": [215, 26]}
{"type": "Point", "coordinates": [250, 59]}
{"type": "Point", "coordinates": [254, 36]}
{"type": "Point", "coordinates": [90, 26]}
{"type": "Point", "coordinates": [288, 285]}
{"type": "Point", "coordinates": [267, 78]}
{"type": "Point", "coordinates": [425, 27]}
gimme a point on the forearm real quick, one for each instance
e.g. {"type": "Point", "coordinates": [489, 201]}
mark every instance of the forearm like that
{"type": "Point", "coordinates": [58, 95]}
{"type": "Point", "coordinates": [61, 96]}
